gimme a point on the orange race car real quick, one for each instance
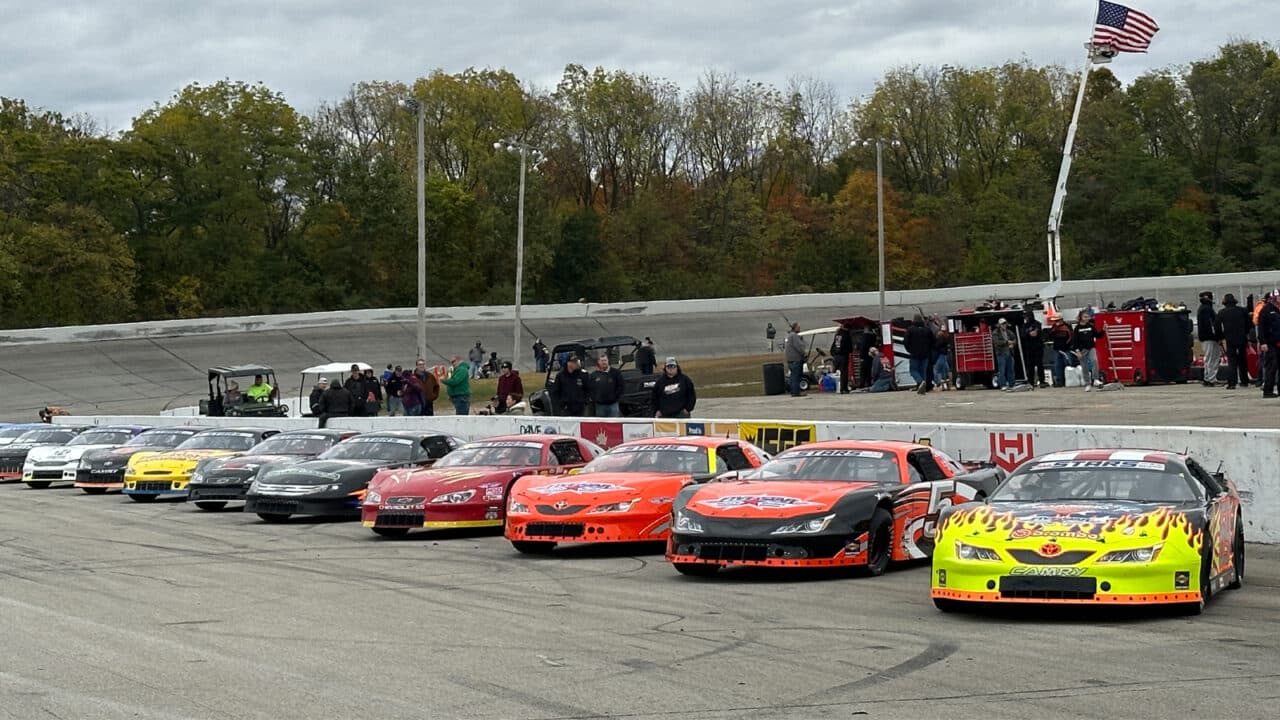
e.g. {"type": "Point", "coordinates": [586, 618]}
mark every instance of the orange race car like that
{"type": "Point", "coordinates": [838, 502]}
{"type": "Point", "coordinates": [622, 496]}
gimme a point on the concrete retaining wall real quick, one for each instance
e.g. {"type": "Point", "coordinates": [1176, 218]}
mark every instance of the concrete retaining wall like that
{"type": "Point", "coordinates": [1249, 457]}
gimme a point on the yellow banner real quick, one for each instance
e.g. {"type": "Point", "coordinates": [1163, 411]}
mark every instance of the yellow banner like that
{"type": "Point", "coordinates": [775, 437]}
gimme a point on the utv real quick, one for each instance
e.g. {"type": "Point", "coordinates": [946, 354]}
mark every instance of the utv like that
{"type": "Point", "coordinates": [637, 398]}
{"type": "Point", "coordinates": [228, 387]}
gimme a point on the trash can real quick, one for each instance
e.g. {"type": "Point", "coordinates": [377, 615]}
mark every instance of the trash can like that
{"type": "Point", "coordinates": [775, 379]}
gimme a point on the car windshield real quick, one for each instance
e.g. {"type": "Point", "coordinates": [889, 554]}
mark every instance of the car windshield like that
{"type": "Point", "coordinates": [295, 445]}
{"type": "Point", "coordinates": [1067, 480]}
{"type": "Point", "coordinates": [504, 454]}
{"type": "Point", "coordinates": [848, 465]}
{"type": "Point", "coordinates": [220, 441]}
{"type": "Point", "coordinates": [102, 437]}
{"type": "Point", "coordinates": [690, 459]}
{"type": "Point", "coordinates": [382, 449]}
{"type": "Point", "coordinates": [160, 438]}
{"type": "Point", "coordinates": [9, 433]}
{"type": "Point", "coordinates": [45, 436]}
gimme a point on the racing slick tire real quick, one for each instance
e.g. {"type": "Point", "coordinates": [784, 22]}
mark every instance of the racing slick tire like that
{"type": "Point", "coordinates": [948, 606]}
{"type": "Point", "coordinates": [39, 484]}
{"type": "Point", "coordinates": [533, 547]}
{"type": "Point", "coordinates": [143, 498]}
{"type": "Point", "coordinates": [211, 505]}
{"type": "Point", "coordinates": [94, 491]}
{"type": "Point", "coordinates": [391, 532]}
{"type": "Point", "coordinates": [1206, 587]}
{"type": "Point", "coordinates": [1237, 557]}
{"type": "Point", "coordinates": [274, 517]}
{"type": "Point", "coordinates": [696, 569]}
{"type": "Point", "coordinates": [879, 542]}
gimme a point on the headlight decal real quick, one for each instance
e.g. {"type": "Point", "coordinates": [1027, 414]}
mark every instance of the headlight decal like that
{"type": "Point", "coordinates": [809, 526]}
{"type": "Point", "coordinates": [965, 551]}
{"type": "Point", "coordinates": [686, 524]}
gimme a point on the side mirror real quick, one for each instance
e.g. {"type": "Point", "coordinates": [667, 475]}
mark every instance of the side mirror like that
{"type": "Point", "coordinates": [727, 477]}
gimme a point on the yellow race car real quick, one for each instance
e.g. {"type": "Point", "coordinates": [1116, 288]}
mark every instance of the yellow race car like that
{"type": "Point", "coordinates": [1111, 526]}
{"type": "Point", "coordinates": [150, 475]}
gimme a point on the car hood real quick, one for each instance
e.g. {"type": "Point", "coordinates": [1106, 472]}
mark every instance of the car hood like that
{"type": "Point", "coordinates": [431, 482]}
{"type": "Point", "coordinates": [176, 458]}
{"type": "Point", "coordinates": [1119, 524]}
{"type": "Point", "coordinates": [114, 452]}
{"type": "Point", "coordinates": [771, 499]}
{"type": "Point", "coordinates": [250, 463]}
{"type": "Point", "coordinates": [598, 487]}
{"type": "Point", "coordinates": [319, 472]}
{"type": "Point", "coordinates": [68, 453]}
{"type": "Point", "coordinates": [24, 448]}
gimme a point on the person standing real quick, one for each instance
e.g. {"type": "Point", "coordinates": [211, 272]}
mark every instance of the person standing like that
{"type": "Point", "coordinates": [770, 333]}
{"type": "Point", "coordinates": [313, 403]}
{"type": "Point", "coordinates": [428, 386]}
{"type": "Point", "coordinates": [646, 358]}
{"type": "Point", "coordinates": [1060, 336]}
{"type": "Point", "coordinates": [393, 386]}
{"type": "Point", "coordinates": [795, 351]}
{"type": "Point", "coordinates": [476, 356]}
{"type": "Point", "coordinates": [674, 395]}
{"type": "Point", "coordinates": [510, 387]}
{"type": "Point", "coordinates": [540, 354]}
{"type": "Point", "coordinates": [354, 385]}
{"type": "Point", "coordinates": [841, 346]}
{"type": "Point", "coordinates": [1233, 329]}
{"type": "Point", "coordinates": [1003, 342]}
{"type": "Point", "coordinates": [458, 383]}
{"type": "Point", "coordinates": [1268, 337]}
{"type": "Point", "coordinates": [411, 397]}
{"type": "Point", "coordinates": [335, 402]}
{"type": "Point", "coordinates": [941, 363]}
{"type": "Point", "coordinates": [571, 389]}
{"type": "Point", "coordinates": [372, 394]}
{"type": "Point", "coordinates": [1210, 340]}
{"type": "Point", "coordinates": [1033, 349]}
{"type": "Point", "coordinates": [1084, 340]}
{"type": "Point", "coordinates": [918, 341]}
{"type": "Point", "coordinates": [606, 388]}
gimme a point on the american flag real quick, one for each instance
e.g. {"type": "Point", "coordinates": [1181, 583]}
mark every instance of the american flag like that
{"type": "Point", "coordinates": [1123, 28]}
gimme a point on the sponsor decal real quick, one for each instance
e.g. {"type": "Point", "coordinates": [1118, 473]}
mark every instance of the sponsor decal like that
{"type": "Point", "coordinates": [710, 429]}
{"type": "Point", "coordinates": [375, 439]}
{"type": "Point", "coordinates": [491, 514]}
{"type": "Point", "coordinates": [493, 491]}
{"type": "Point", "coordinates": [604, 434]}
{"type": "Point", "coordinates": [1099, 464]}
{"type": "Point", "coordinates": [767, 502]}
{"type": "Point", "coordinates": [875, 454]}
{"type": "Point", "coordinates": [578, 487]}
{"type": "Point", "coordinates": [1047, 571]}
{"type": "Point", "coordinates": [1009, 450]}
{"type": "Point", "coordinates": [537, 429]}
{"type": "Point", "coordinates": [404, 503]}
{"type": "Point", "coordinates": [506, 444]}
{"type": "Point", "coordinates": [1050, 549]}
{"type": "Point", "coordinates": [1022, 533]}
{"type": "Point", "coordinates": [658, 448]}
{"type": "Point", "coordinates": [302, 471]}
{"type": "Point", "coordinates": [773, 438]}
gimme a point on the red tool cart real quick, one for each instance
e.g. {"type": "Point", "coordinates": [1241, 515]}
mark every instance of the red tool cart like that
{"type": "Point", "coordinates": [972, 359]}
{"type": "Point", "coordinates": [1138, 347]}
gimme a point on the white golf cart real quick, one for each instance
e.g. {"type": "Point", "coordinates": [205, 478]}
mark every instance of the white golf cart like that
{"type": "Point", "coordinates": [334, 371]}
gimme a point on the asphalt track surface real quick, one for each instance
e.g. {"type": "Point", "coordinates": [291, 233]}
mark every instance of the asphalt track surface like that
{"type": "Point", "coordinates": [112, 609]}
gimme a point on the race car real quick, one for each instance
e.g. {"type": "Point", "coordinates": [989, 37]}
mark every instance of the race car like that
{"type": "Point", "coordinates": [12, 431]}
{"type": "Point", "coordinates": [824, 504]}
{"type": "Point", "coordinates": [103, 469]}
{"type": "Point", "coordinates": [48, 464]}
{"type": "Point", "coordinates": [468, 487]}
{"type": "Point", "coordinates": [152, 474]}
{"type": "Point", "coordinates": [334, 483]}
{"type": "Point", "coordinates": [218, 481]}
{"type": "Point", "coordinates": [14, 455]}
{"type": "Point", "coordinates": [1107, 526]}
{"type": "Point", "coordinates": [622, 496]}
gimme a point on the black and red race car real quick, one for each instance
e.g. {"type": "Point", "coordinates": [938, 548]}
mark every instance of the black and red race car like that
{"type": "Point", "coordinates": [468, 487]}
{"type": "Point", "coordinates": [838, 502]}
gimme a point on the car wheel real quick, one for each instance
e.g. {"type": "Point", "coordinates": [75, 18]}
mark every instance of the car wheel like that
{"type": "Point", "coordinates": [211, 505]}
{"type": "Point", "coordinates": [391, 532]}
{"type": "Point", "coordinates": [39, 484]}
{"type": "Point", "coordinates": [1206, 589]}
{"type": "Point", "coordinates": [143, 498]}
{"type": "Point", "coordinates": [879, 542]}
{"type": "Point", "coordinates": [697, 569]}
{"type": "Point", "coordinates": [948, 606]}
{"type": "Point", "coordinates": [804, 385]}
{"type": "Point", "coordinates": [533, 547]}
{"type": "Point", "coordinates": [1237, 557]}
{"type": "Point", "coordinates": [94, 491]}
{"type": "Point", "coordinates": [274, 517]}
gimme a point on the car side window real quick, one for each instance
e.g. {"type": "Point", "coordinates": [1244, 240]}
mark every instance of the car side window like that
{"type": "Point", "coordinates": [567, 452]}
{"type": "Point", "coordinates": [732, 457]}
{"type": "Point", "coordinates": [1206, 481]}
{"type": "Point", "coordinates": [921, 467]}
{"type": "Point", "coordinates": [436, 447]}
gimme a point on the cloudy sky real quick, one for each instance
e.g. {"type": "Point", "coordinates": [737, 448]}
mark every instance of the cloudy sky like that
{"type": "Point", "coordinates": [112, 60]}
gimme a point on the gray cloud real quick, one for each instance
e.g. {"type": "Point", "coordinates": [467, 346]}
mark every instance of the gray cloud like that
{"type": "Point", "coordinates": [114, 60]}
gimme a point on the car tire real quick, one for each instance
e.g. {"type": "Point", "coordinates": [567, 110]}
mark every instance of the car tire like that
{"type": "Point", "coordinates": [94, 491]}
{"type": "Point", "coordinates": [1237, 557]}
{"type": "Point", "coordinates": [879, 542]}
{"type": "Point", "coordinates": [391, 532]}
{"type": "Point", "coordinates": [211, 505]}
{"type": "Point", "coordinates": [274, 517]}
{"type": "Point", "coordinates": [948, 606]}
{"type": "Point", "coordinates": [143, 498]}
{"type": "Point", "coordinates": [1206, 588]}
{"type": "Point", "coordinates": [697, 569]}
{"type": "Point", "coordinates": [533, 547]}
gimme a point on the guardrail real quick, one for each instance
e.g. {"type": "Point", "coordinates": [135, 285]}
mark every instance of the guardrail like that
{"type": "Point", "coordinates": [1242, 283]}
{"type": "Point", "coordinates": [1249, 457]}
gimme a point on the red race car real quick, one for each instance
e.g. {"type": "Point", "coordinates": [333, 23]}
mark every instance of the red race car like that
{"type": "Point", "coordinates": [468, 487]}
{"type": "Point", "coordinates": [623, 496]}
{"type": "Point", "coordinates": [838, 502]}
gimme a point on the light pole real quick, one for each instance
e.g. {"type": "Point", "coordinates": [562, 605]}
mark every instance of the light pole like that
{"type": "Point", "coordinates": [523, 148]}
{"type": "Point", "coordinates": [417, 108]}
{"type": "Point", "coordinates": [880, 143]}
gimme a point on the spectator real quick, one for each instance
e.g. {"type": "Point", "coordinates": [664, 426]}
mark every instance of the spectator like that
{"type": "Point", "coordinates": [354, 385]}
{"type": "Point", "coordinates": [260, 391]}
{"type": "Point", "coordinates": [372, 394]}
{"type": "Point", "coordinates": [841, 347]}
{"type": "Point", "coordinates": [1233, 329]}
{"type": "Point", "coordinates": [646, 358]}
{"type": "Point", "coordinates": [795, 351]}
{"type": "Point", "coordinates": [1060, 336]}
{"type": "Point", "coordinates": [234, 396]}
{"type": "Point", "coordinates": [605, 387]}
{"type": "Point", "coordinates": [1210, 340]}
{"type": "Point", "coordinates": [1033, 349]}
{"type": "Point", "coordinates": [335, 402]}
{"type": "Point", "coordinates": [389, 373]}
{"type": "Point", "coordinates": [476, 356]}
{"type": "Point", "coordinates": [570, 388]}
{"type": "Point", "coordinates": [674, 395]}
{"type": "Point", "coordinates": [1084, 339]}
{"type": "Point", "coordinates": [393, 386]}
{"type": "Point", "coordinates": [1003, 340]}
{"type": "Point", "coordinates": [770, 332]}
{"type": "Point", "coordinates": [919, 344]}
{"type": "Point", "coordinates": [458, 383]}
{"type": "Point", "coordinates": [510, 388]}
{"type": "Point", "coordinates": [1268, 340]}
{"type": "Point", "coordinates": [491, 366]}
{"type": "Point", "coordinates": [313, 403]}
{"type": "Point", "coordinates": [540, 355]}
{"type": "Point", "coordinates": [411, 395]}
{"type": "Point", "coordinates": [880, 375]}
{"type": "Point", "coordinates": [941, 363]}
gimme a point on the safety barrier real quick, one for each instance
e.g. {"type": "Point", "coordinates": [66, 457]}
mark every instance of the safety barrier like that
{"type": "Point", "coordinates": [1249, 457]}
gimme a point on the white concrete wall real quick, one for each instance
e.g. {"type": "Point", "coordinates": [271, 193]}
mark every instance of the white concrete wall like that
{"type": "Point", "coordinates": [1249, 457]}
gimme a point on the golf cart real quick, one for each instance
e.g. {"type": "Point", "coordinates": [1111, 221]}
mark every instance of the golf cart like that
{"type": "Point", "coordinates": [228, 396]}
{"type": "Point", "coordinates": [637, 397]}
{"type": "Point", "coordinates": [816, 362]}
{"type": "Point", "coordinates": [334, 372]}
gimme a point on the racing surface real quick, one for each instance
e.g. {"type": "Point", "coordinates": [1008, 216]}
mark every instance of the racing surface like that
{"type": "Point", "coordinates": [111, 609]}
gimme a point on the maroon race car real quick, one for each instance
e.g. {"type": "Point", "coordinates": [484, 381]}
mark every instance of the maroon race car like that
{"type": "Point", "coordinates": [468, 487]}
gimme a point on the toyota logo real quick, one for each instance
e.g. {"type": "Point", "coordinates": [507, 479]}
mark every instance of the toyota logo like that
{"type": "Point", "coordinates": [1050, 549]}
{"type": "Point", "coordinates": [560, 505]}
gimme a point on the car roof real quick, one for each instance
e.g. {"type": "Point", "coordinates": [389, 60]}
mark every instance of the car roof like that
{"type": "Point", "coordinates": [136, 429]}
{"type": "Point", "coordinates": [179, 428]}
{"type": "Point", "coordinates": [335, 368]}
{"type": "Point", "coordinates": [336, 432]}
{"type": "Point", "coordinates": [593, 343]}
{"type": "Point", "coordinates": [239, 429]}
{"type": "Point", "coordinates": [525, 437]}
{"type": "Point", "coordinates": [886, 445]}
{"type": "Point", "coordinates": [239, 370]}
{"type": "Point", "coordinates": [706, 441]}
{"type": "Point", "coordinates": [411, 434]}
{"type": "Point", "coordinates": [1102, 454]}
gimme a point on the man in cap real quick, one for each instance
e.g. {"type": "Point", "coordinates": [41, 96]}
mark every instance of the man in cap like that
{"type": "Point", "coordinates": [354, 385]}
{"type": "Point", "coordinates": [796, 350]}
{"type": "Point", "coordinates": [1210, 340]}
{"type": "Point", "coordinates": [314, 401]}
{"type": "Point", "coordinates": [259, 391]}
{"type": "Point", "coordinates": [510, 388]}
{"type": "Point", "coordinates": [1003, 342]}
{"type": "Point", "coordinates": [1233, 329]}
{"type": "Point", "coordinates": [569, 390]}
{"type": "Point", "coordinates": [674, 394]}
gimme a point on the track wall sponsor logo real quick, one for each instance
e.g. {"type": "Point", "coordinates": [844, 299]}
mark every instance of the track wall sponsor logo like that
{"type": "Point", "coordinates": [1009, 450]}
{"type": "Point", "coordinates": [604, 434]}
{"type": "Point", "coordinates": [773, 438]}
